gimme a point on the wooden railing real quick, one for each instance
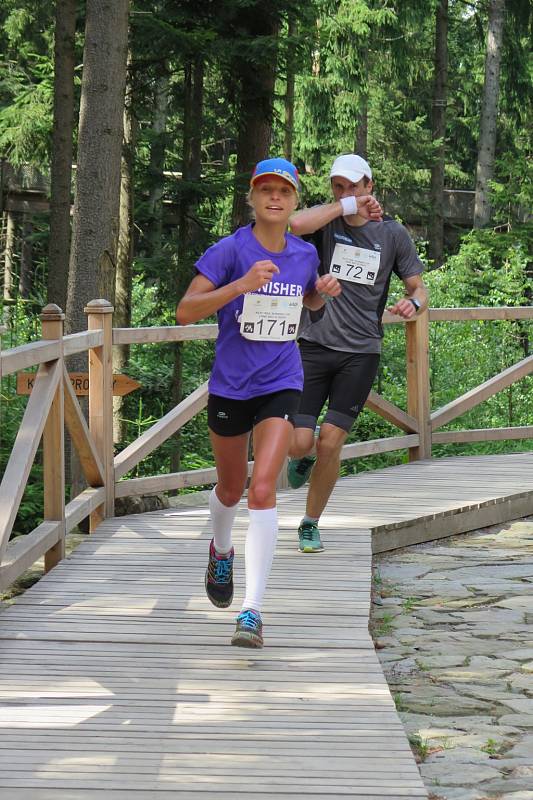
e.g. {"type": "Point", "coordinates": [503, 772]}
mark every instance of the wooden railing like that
{"type": "Point", "coordinates": [53, 405]}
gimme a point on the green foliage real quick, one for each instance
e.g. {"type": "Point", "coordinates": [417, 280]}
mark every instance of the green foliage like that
{"type": "Point", "coordinates": [399, 701]}
{"type": "Point", "coordinates": [512, 189]}
{"type": "Point", "coordinates": [490, 269]}
{"type": "Point", "coordinates": [26, 81]}
{"type": "Point", "coordinates": [26, 122]}
{"type": "Point", "coordinates": [419, 746]}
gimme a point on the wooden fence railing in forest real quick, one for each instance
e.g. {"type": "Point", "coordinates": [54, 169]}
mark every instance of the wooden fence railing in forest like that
{"type": "Point", "coordinates": [53, 405]}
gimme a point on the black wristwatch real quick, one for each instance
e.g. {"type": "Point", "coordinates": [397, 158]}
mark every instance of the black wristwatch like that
{"type": "Point", "coordinates": [417, 304]}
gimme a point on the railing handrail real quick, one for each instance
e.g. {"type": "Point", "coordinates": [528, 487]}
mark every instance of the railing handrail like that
{"type": "Point", "coordinates": [470, 314]}
{"type": "Point", "coordinates": [93, 440]}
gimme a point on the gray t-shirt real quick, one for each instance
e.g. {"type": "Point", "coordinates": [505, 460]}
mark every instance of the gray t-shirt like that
{"type": "Point", "coordinates": [370, 253]}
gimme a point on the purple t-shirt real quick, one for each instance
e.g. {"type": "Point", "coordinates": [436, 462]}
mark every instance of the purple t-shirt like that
{"type": "Point", "coordinates": [245, 368]}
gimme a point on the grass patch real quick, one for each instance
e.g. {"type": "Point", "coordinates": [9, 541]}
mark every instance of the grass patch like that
{"type": "Point", "coordinates": [408, 604]}
{"type": "Point", "coordinates": [419, 746]}
{"type": "Point", "coordinates": [384, 624]}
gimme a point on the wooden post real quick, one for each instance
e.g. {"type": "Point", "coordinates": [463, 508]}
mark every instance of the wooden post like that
{"type": "Point", "coordinates": [54, 445]}
{"type": "Point", "coordinates": [3, 329]}
{"type": "Point", "coordinates": [100, 317]}
{"type": "Point", "coordinates": [418, 396]}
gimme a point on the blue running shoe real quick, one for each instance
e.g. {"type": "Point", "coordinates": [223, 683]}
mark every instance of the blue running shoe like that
{"type": "Point", "coordinates": [249, 630]}
{"type": "Point", "coordinates": [219, 577]}
{"type": "Point", "coordinates": [299, 470]}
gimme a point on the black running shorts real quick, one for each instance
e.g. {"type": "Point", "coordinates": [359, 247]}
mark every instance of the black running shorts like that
{"type": "Point", "coordinates": [343, 378]}
{"type": "Point", "coordinates": [228, 417]}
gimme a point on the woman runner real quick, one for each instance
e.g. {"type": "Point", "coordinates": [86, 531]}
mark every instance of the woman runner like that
{"type": "Point", "coordinates": [256, 280]}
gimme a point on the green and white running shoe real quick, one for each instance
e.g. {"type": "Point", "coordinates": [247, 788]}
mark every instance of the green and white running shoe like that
{"type": "Point", "coordinates": [309, 538]}
{"type": "Point", "coordinates": [299, 470]}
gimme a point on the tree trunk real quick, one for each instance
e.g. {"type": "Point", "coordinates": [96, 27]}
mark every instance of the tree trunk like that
{"type": "Point", "coordinates": [154, 227]}
{"type": "Point", "coordinates": [62, 148]}
{"type": "Point", "coordinates": [289, 91]}
{"type": "Point", "coordinates": [192, 170]}
{"type": "Point", "coordinates": [122, 316]}
{"type": "Point", "coordinates": [440, 90]}
{"type": "Point", "coordinates": [256, 82]}
{"type": "Point", "coordinates": [26, 257]}
{"type": "Point", "coordinates": [9, 256]}
{"type": "Point", "coordinates": [489, 113]}
{"type": "Point", "coordinates": [96, 208]}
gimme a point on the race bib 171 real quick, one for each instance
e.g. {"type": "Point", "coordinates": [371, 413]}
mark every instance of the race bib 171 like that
{"type": "Point", "coordinates": [270, 319]}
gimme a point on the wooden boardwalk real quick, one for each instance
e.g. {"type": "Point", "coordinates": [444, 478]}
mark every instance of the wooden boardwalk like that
{"type": "Point", "coordinates": [117, 679]}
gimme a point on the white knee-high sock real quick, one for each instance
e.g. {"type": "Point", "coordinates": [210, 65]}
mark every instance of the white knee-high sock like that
{"type": "Point", "coordinates": [222, 518]}
{"type": "Point", "coordinates": [259, 553]}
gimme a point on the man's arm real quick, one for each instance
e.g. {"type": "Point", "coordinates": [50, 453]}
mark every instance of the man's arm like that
{"type": "Point", "coordinates": [309, 220]}
{"type": "Point", "coordinates": [414, 288]}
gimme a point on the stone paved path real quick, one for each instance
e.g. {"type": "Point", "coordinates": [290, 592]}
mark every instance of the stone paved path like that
{"type": "Point", "coordinates": [454, 627]}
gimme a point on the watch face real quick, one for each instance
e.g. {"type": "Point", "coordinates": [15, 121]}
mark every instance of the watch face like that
{"type": "Point", "coordinates": [415, 302]}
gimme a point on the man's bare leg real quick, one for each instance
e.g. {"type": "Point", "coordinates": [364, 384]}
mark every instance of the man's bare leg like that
{"type": "Point", "coordinates": [302, 442]}
{"type": "Point", "coordinates": [326, 470]}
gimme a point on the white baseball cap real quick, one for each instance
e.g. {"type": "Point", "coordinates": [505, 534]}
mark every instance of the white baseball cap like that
{"type": "Point", "coordinates": [351, 167]}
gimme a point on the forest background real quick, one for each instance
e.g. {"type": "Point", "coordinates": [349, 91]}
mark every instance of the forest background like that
{"type": "Point", "coordinates": [141, 122]}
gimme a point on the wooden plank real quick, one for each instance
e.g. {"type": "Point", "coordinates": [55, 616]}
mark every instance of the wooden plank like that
{"type": "Point", "coordinates": [481, 393]}
{"type": "Point", "coordinates": [386, 445]}
{"type": "Point", "coordinates": [445, 526]}
{"type": "Point", "coordinates": [388, 318]}
{"type": "Point", "coordinates": [160, 431]}
{"type": "Point", "coordinates": [172, 772]}
{"type": "Point", "coordinates": [78, 429]}
{"type": "Point", "coordinates": [83, 505]}
{"type": "Point", "coordinates": [24, 551]}
{"type": "Point", "coordinates": [2, 331]}
{"type": "Point", "coordinates": [128, 741]}
{"type": "Point", "coordinates": [26, 443]}
{"type": "Point", "coordinates": [179, 333]}
{"type": "Point", "coordinates": [144, 763]}
{"type": "Point", "coordinates": [483, 434]}
{"type": "Point", "coordinates": [80, 342]}
{"type": "Point", "coordinates": [28, 355]}
{"type": "Point", "coordinates": [134, 487]}
{"type": "Point", "coordinates": [35, 790]}
{"type": "Point", "coordinates": [99, 317]}
{"type": "Point", "coordinates": [392, 413]}
{"type": "Point", "coordinates": [54, 446]}
{"type": "Point", "coordinates": [177, 794]}
{"type": "Point", "coordinates": [418, 390]}
{"type": "Point", "coordinates": [479, 312]}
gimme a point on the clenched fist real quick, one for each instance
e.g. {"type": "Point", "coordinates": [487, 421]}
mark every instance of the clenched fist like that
{"type": "Point", "coordinates": [259, 274]}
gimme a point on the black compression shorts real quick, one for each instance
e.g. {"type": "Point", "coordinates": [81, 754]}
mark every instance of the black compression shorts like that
{"type": "Point", "coordinates": [345, 379]}
{"type": "Point", "coordinates": [228, 417]}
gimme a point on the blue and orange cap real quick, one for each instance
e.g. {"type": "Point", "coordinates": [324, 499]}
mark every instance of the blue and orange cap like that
{"type": "Point", "coordinates": [279, 167]}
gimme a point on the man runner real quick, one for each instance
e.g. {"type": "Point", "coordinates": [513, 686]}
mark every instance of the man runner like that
{"type": "Point", "coordinates": [340, 344]}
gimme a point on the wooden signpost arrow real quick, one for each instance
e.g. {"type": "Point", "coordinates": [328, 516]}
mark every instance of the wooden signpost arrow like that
{"type": "Point", "coordinates": [122, 384]}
